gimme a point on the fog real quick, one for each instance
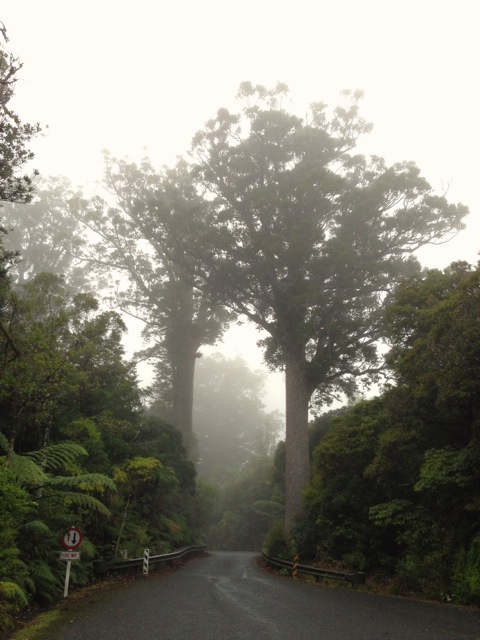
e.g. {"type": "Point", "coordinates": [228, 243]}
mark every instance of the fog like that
{"type": "Point", "coordinates": [140, 78]}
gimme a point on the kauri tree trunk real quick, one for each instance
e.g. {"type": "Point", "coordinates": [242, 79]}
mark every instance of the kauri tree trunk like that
{"type": "Point", "coordinates": [297, 471]}
{"type": "Point", "coordinates": [183, 362]}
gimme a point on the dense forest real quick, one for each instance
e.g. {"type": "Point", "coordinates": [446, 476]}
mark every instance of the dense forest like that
{"type": "Point", "coordinates": [281, 222]}
{"type": "Point", "coordinates": [394, 485]}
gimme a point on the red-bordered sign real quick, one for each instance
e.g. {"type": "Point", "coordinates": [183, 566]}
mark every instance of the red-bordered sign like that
{"type": "Point", "coordinates": [72, 538]}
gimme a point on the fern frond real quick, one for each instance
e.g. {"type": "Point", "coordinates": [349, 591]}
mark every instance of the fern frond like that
{"type": "Point", "coordinates": [26, 471]}
{"type": "Point", "coordinates": [57, 456]}
{"type": "Point", "coordinates": [86, 501]}
{"type": "Point", "coordinates": [88, 549]}
{"type": "Point", "coordinates": [36, 529]}
{"type": "Point", "coordinates": [29, 584]}
{"type": "Point", "coordinates": [84, 482]}
{"type": "Point", "coordinates": [41, 572]}
{"type": "Point", "coordinates": [44, 583]}
{"type": "Point", "coordinates": [120, 475]}
{"type": "Point", "coordinates": [13, 569]}
{"type": "Point", "coordinates": [13, 592]}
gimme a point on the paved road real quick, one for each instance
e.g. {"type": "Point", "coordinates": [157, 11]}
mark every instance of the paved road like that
{"type": "Point", "coordinates": [226, 596]}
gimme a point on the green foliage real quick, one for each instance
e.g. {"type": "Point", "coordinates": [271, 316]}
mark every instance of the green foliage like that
{"type": "Point", "coordinates": [71, 416]}
{"type": "Point", "coordinates": [85, 481]}
{"type": "Point", "coordinates": [46, 584]}
{"type": "Point", "coordinates": [275, 545]}
{"type": "Point", "coordinates": [395, 482]}
{"type": "Point", "coordinates": [15, 505]}
{"type": "Point", "coordinates": [443, 469]}
{"type": "Point", "coordinates": [12, 599]}
{"type": "Point", "coordinates": [15, 135]}
{"type": "Point", "coordinates": [13, 593]}
{"type": "Point", "coordinates": [466, 574]}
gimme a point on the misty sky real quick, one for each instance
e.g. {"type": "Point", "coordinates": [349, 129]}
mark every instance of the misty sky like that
{"type": "Point", "coordinates": [141, 77]}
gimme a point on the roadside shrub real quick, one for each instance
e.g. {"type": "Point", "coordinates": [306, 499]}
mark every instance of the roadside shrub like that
{"type": "Point", "coordinates": [275, 545]}
{"type": "Point", "coordinates": [466, 579]}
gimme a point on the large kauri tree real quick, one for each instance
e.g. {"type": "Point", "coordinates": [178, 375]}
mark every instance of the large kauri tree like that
{"type": "Point", "coordinates": [306, 238]}
{"type": "Point", "coordinates": [138, 250]}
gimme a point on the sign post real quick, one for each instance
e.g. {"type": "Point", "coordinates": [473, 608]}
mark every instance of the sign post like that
{"type": "Point", "coordinates": [70, 540]}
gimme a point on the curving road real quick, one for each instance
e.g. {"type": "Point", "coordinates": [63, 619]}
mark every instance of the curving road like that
{"type": "Point", "coordinates": [227, 596]}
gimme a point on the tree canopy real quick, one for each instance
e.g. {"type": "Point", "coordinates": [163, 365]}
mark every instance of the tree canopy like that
{"type": "Point", "coordinates": [15, 135]}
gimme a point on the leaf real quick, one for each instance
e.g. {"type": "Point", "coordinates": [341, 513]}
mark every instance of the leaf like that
{"type": "Point", "coordinates": [84, 482]}
{"type": "Point", "coordinates": [443, 468]}
{"type": "Point", "coordinates": [86, 501]}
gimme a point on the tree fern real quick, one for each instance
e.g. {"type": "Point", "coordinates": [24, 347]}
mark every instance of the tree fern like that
{"type": "Point", "coordinates": [30, 470]}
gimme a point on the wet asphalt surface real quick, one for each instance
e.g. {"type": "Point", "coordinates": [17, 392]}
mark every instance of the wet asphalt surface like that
{"type": "Point", "coordinates": [226, 596]}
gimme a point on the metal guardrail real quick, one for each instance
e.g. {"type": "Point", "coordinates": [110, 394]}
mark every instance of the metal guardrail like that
{"type": "Point", "coordinates": [356, 578]}
{"type": "Point", "coordinates": [102, 567]}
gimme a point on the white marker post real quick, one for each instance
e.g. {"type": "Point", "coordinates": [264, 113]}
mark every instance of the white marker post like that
{"type": "Point", "coordinates": [67, 578]}
{"type": "Point", "coordinates": [146, 560]}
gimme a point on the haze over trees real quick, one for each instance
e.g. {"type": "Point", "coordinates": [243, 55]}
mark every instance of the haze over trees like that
{"type": "Point", "coordinates": [48, 234]}
{"type": "Point", "coordinates": [230, 422]}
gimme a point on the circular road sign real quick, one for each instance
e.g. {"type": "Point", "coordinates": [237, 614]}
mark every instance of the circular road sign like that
{"type": "Point", "coordinates": [72, 538]}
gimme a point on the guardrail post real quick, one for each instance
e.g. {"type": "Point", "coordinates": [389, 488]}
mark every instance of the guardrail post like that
{"type": "Point", "coordinates": [357, 578]}
{"type": "Point", "coordinates": [146, 559]}
{"type": "Point", "coordinates": [295, 565]}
